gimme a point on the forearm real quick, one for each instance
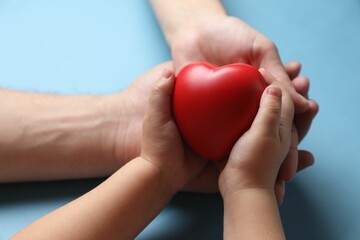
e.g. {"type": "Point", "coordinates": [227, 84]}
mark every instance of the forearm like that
{"type": "Point", "coordinates": [252, 214]}
{"type": "Point", "coordinates": [176, 15]}
{"type": "Point", "coordinates": [50, 137]}
{"type": "Point", "coordinates": [119, 208]}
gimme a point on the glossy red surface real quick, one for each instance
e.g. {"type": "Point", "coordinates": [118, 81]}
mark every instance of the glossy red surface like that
{"type": "Point", "coordinates": [214, 106]}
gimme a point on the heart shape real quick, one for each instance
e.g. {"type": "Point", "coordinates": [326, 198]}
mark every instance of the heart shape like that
{"type": "Point", "coordinates": [213, 106]}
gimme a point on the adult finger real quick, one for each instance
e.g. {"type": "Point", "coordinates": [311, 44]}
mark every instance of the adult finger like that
{"type": "Point", "coordinates": [287, 111]}
{"type": "Point", "coordinates": [303, 121]}
{"type": "Point", "coordinates": [302, 85]}
{"type": "Point", "coordinates": [292, 69]}
{"type": "Point", "coordinates": [306, 159]}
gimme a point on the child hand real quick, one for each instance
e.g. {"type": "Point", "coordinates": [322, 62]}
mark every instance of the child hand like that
{"type": "Point", "coordinates": [256, 158]}
{"type": "Point", "coordinates": [162, 144]}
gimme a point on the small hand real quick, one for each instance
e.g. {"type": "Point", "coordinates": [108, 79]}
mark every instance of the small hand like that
{"type": "Point", "coordinates": [256, 158]}
{"type": "Point", "coordinates": [135, 100]}
{"type": "Point", "coordinates": [129, 140]}
{"type": "Point", "coordinates": [162, 144]}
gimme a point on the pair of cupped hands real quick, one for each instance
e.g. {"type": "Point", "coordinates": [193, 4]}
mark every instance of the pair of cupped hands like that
{"type": "Point", "coordinates": [265, 156]}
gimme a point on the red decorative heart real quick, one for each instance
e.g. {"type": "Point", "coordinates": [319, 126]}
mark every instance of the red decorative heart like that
{"type": "Point", "coordinates": [214, 106]}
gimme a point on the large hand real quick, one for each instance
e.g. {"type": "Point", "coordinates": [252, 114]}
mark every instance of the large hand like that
{"type": "Point", "coordinates": [135, 99]}
{"type": "Point", "coordinates": [225, 40]}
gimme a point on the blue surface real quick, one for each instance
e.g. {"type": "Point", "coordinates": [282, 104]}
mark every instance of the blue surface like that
{"type": "Point", "coordinates": [100, 46]}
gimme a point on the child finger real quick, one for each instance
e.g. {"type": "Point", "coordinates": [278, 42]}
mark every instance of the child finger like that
{"type": "Point", "coordinates": [158, 110]}
{"type": "Point", "coordinates": [268, 117]}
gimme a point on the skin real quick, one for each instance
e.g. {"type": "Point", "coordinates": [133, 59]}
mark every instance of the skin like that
{"type": "Point", "coordinates": [67, 137]}
{"type": "Point", "coordinates": [127, 201]}
{"type": "Point", "coordinates": [247, 181]}
{"type": "Point", "coordinates": [52, 137]}
{"type": "Point", "coordinates": [93, 138]}
{"type": "Point", "coordinates": [200, 30]}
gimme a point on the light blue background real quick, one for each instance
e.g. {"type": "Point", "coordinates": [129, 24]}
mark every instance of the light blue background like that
{"type": "Point", "coordinates": [100, 46]}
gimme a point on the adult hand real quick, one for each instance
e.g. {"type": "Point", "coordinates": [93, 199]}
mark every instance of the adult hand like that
{"type": "Point", "coordinates": [128, 142]}
{"type": "Point", "coordinates": [225, 40]}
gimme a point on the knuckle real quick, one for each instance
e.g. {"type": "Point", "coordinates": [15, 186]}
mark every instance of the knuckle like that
{"type": "Point", "coordinates": [273, 108]}
{"type": "Point", "coordinates": [266, 45]}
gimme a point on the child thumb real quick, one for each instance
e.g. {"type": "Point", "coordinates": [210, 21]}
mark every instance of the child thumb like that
{"type": "Point", "coordinates": [267, 119]}
{"type": "Point", "coordinates": [160, 99]}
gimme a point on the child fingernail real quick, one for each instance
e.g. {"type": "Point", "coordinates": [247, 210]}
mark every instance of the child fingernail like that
{"type": "Point", "coordinates": [167, 74]}
{"type": "Point", "coordinates": [274, 91]}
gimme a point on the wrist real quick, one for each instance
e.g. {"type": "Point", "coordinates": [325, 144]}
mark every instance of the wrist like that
{"type": "Point", "coordinates": [233, 195]}
{"type": "Point", "coordinates": [176, 17]}
{"type": "Point", "coordinates": [119, 124]}
{"type": "Point", "coordinates": [191, 26]}
{"type": "Point", "coordinates": [160, 177]}
{"type": "Point", "coordinates": [244, 183]}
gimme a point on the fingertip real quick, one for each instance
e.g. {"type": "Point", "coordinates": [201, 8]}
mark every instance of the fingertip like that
{"type": "Point", "coordinates": [159, 104]}
{"type": "Point", "coordinates": [300, 102]}
{"type": "Point", "coordinates": [166, 81]}
{"type": "Point", "coordinates": [268, 116]}
{"type": "Point", "coordinates": [293, 69]}
{"type": "Point", "coordinates": [306, 159]}
{"type": "Point", "coordinates": [273, 90]}
{"type": "Point", "coordinates": [166, 73]}
{"type": "Point", "coordinates": [272, 97]}
{"type": "Point", "coordinates": [314, 106]}
{"type": "Point", "coordinates": [295, 65]}
{"type": "Point", "coordinates": [301, 85]}
{"type": "Point", "coordinates": [269, 78]}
